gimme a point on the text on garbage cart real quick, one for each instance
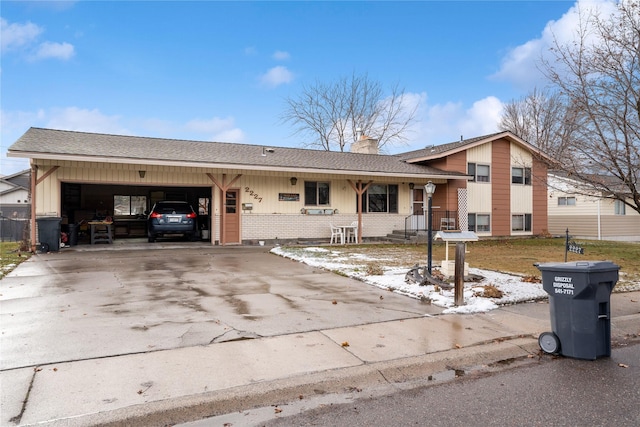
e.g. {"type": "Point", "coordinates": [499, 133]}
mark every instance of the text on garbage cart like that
{"type": "Point", "coordinates": [563, 285]}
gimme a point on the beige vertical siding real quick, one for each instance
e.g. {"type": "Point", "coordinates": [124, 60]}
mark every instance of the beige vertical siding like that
{"type": "Point", "coordinates": [48, 193]}
{"type": "Point", "coordinates": [479, 193]}
{"type": "Point", "coordinates": [480, 154]}
{"type": "Point", "coordinates": [521, 195]}
{"type": "Point", "coordinates": [520, 157]}
{"type": "Point", "coordinates": [479, 197]}
{"type": "Point", "coordinates": [521, 199]}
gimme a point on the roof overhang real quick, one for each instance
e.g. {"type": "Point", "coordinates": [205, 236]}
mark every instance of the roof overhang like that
{"type": "Point", "coordinates": [237, 166]}
{"type": "Point", "coordinates": [464, 147]}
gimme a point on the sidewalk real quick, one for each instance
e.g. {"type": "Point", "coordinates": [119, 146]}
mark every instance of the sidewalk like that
{"type": "Point", "coordinates": [185, 384]}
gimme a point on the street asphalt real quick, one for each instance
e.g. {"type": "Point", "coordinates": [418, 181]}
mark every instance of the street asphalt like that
{"type": "Point", "coordinates": [174, 332]}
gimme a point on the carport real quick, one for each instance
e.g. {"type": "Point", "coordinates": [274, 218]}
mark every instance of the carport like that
{"type": "Point", "coordinates": [126, 205]}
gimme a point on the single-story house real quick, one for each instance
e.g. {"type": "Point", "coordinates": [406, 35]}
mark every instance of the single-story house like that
{"type": "Point", "coordinates": [493, 185]}
{"type": "Point", "coordinates": [589, 216]}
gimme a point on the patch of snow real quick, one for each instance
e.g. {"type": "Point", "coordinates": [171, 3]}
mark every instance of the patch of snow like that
{"type": "Point", "coordinates": [513, 288]}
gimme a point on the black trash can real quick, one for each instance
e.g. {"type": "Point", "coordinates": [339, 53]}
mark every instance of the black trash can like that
{"type": "Point", "coordinates": [579, 300]}
{"type": "Point", "coordinates": [49, 233]}
{"type": "Point", "coordinates": [73, 234]}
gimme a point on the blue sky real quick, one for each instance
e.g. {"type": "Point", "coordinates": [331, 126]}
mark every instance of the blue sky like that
{"type": "Point", "coordinates": [220, 71]}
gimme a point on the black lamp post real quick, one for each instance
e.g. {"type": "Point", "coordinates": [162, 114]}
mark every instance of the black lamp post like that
{"type": "Point", "coordinates": [430, 188]}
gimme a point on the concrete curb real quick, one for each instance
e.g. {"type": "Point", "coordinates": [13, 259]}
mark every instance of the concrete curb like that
{"type": "Point", "coordinates": [368, 379]}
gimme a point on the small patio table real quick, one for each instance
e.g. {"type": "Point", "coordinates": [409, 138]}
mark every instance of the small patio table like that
{"type": "Point", "coordinates": [346, 229]}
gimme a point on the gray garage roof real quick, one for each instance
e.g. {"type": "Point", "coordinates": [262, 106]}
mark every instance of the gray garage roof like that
{"type": "Point", "coordinates": [38, 143]}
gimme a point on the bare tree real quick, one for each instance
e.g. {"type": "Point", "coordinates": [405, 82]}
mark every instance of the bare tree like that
{"type": "Point", "coordinates": [542, 119]}
{"type": "Point", "coordinates": [597, 76]}
{"type": "Point", "coordinates": [331, 115]}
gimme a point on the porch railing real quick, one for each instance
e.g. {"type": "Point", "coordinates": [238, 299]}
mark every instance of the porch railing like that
{"type": "Point", "coordinates": [441, 220]}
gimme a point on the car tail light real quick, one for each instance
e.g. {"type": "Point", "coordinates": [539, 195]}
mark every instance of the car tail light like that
{"type": "Point", "coordinates": [155, 215]}
{"type": "Point", "coordinates": [191, 215]}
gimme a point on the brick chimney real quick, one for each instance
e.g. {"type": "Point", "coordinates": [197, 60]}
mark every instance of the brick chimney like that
{"type": "Point", "coordinates": [365, 145]}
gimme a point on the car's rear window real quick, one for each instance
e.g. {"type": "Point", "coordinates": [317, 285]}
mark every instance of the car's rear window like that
{"type": "Point", "coordinates": [167, 208]}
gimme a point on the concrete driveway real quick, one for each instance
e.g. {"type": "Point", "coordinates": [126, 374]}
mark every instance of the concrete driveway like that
{"type": "Point", "coordinates": [93, 302]}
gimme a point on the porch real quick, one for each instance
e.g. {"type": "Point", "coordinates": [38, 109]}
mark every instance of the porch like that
{"type": "Point", "coordinates": [413, 224]}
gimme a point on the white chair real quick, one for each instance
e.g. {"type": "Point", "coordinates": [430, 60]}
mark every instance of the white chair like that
{"type": "Point", "coordinates": [448, 224]}
{"type": "Point", "coordinates": [336, 232]}
{"type": "Point", "coordinates": [352, 233]}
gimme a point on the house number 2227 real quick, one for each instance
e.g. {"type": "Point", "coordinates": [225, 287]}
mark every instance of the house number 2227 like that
{"type": "Point", "coordinates": [254, 194]}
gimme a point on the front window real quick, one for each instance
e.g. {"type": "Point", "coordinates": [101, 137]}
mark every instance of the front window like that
{"type": "Point", "coordinates": [479, 222]}
{"type": "Point", "coordinates": [521, 176]}
{"type": "Point", "coordinates": [566, 201]}
{"type": "Point", "coordinates": [521, 222]}
{"type": "Point", "coordinates": [479, 173]}
{"type": "Point", "coordinates": [619, 207]}
{"type": "Point", "coordinates": [129, 205]}
{"type": "Point", "coordinates": [380, 198]}
{"type": "Point", "coordinates": [316, 193]}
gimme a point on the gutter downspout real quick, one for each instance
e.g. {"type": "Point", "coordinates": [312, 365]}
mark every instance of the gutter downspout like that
{"type": "Point", "coordinates": [599, 222]}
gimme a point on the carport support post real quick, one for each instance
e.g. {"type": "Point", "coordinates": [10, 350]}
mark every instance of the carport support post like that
{"type": "Point", "coordinates": [359, 192]}
{"type": "Point", "coordinates": [459, 275]}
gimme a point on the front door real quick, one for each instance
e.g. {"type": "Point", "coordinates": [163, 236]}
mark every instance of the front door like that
{"type": "Point", "coordinates": [418, 207]}
{"type": "Point", "coordinates": [231, 226]}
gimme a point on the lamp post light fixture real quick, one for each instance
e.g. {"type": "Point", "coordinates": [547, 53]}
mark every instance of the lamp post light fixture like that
{"type": "Point", "coordinates": [430, 188]}
{"type": "Point", "coordinates": [293, 180]}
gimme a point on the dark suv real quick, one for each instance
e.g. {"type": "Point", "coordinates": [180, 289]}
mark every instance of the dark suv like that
{"type": "Point", "coordinates": [171, 218]}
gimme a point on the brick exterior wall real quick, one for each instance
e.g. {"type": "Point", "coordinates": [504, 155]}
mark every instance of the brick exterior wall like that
{"type": "Point", "coordinates": [297, 227]}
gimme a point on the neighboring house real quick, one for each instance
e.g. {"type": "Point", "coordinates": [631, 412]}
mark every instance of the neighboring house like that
{"type": "Point", "coordinates": [15, 205]}
{"type": "Point", "coordinates": [246, 193]}
{"type": "Point", "coordinates": [589, 216]}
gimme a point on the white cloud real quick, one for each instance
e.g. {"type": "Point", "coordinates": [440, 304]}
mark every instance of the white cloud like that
{"type": "Point", "coordinates": [250, 51]}
{"type": "Point", "coordinates": [13, 36]}
{"type": "Point", "coordinates": [217, 129]}
{"type": "Point", "coordinates": [215, 124]}
{"type": "Point", "coordinates": [83, 120]}
{"type": "Point", "coordinates": [23, 36]}
{"type": "Point", "coordinates": [54, 50]}
{"type": "Point", "coordinates": [276, 76]}
{"type": "Point", "coordinates": [444, 123]}
{"type": "Point", "coordinates": [15, 123]}
{"type": "Point", "coordinates": [520, 64]}
{"type": "Point", "coordinates": [281, 55]}
{"type": "Point", "coordinates": [482, 118]}
{"type": "Point", "coordinates": [235, 135]}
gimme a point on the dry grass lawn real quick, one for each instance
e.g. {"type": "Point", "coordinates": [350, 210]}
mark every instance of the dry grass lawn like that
{"type": "Point", "coordinates": [510, 255]}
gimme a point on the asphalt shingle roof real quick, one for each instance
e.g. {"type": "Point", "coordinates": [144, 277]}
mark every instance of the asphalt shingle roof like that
{"type": "Point", "coordinates": [434, 151]}
{"type": "Point", "coordinates": [43, 143]}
